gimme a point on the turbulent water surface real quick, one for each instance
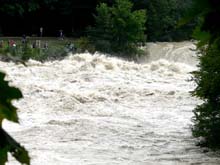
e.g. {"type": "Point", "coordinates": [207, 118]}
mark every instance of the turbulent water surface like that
{"type": "Point", "coordinates": [98, 110]}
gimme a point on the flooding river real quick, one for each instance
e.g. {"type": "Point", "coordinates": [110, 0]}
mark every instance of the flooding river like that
{"type": "Point", "coordinates": [98, 110]}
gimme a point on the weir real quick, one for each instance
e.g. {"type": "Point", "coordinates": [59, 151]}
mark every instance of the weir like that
{"type": "Point", "coordinates": [182, 52]}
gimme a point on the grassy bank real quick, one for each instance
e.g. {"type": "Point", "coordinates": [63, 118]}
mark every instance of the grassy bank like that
{"type": "Point", "coordinates": [37, 48]}
{"type": "Point", "coordinates": [50, 48]}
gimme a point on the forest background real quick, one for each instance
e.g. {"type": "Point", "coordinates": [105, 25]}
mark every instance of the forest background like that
{"type": "Point", "coordinates": [74, 17]}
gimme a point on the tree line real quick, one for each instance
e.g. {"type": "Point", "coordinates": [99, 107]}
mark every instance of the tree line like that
{"type": "Point", "coordinates": [19, 17]}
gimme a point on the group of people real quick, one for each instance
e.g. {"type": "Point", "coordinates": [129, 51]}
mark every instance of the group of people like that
{"type": "Point", "coordinates": [11, 43]}
{"type": "Point", "coordinates": [35, 44]}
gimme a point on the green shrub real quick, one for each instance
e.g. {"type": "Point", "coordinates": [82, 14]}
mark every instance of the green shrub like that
{"type": "Point", "coordinates": [25, 51]}
{"type": "Point", "coordinates": [84, 44]}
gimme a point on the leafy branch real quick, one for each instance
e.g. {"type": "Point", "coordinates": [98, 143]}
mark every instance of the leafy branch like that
{"type": "Point", "coordinates": [9, 112]}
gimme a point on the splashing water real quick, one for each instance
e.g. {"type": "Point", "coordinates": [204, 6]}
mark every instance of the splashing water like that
{"type": "Point", "coordinates": [93, 109]}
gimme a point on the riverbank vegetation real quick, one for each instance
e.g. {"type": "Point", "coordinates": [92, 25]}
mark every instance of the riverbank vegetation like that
{"type": "Point", "coordinates": [207, 115]}
{"type": "Point", "coordinates": [41, 49]}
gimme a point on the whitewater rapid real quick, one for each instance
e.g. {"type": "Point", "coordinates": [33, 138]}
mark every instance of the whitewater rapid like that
{"type": "Point", "coordinates": [100, 110]}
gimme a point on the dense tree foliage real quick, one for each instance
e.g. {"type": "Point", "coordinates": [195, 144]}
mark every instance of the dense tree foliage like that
{"type": "Point", "coordinates": [207, 115]}
{"type": "Point", "coordinates": [8, 111]}
{"type": "Point", "coordinates": [26, 17]}
{"type": "Point", "coordinates": [164, 16]}
{"type": "Point", "coordinates": [118, 28]}
{"type": "Point", "coordinates": [74, 16]}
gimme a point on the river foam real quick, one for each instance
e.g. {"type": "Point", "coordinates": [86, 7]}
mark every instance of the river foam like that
{"type": "Point", "coordinates": [95, 109]}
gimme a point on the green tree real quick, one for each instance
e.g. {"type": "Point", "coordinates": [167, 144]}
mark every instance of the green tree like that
{"type": "Point", "coordinates": [207, 115]}
{"type": "Point", "coordinates": [127, 26]}
{"type": "Point", "coordinates": [32, 14]}
{"type": "Point", "coordinates": [18, 7]}
{"type": "Point", "coordinates": [163, 18]}
{"type": "Point", "coordinates": [101, 34]}
{"type": "Point", "coordinates": [8, 111]}
{"type": "Point", "coordinates": [118, 27]}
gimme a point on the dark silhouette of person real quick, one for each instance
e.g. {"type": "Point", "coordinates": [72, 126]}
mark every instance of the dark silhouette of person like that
{"type": "Point", "coordinates": [41, 31]}
{"type": "Point", "coordinates": [23, 40]}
